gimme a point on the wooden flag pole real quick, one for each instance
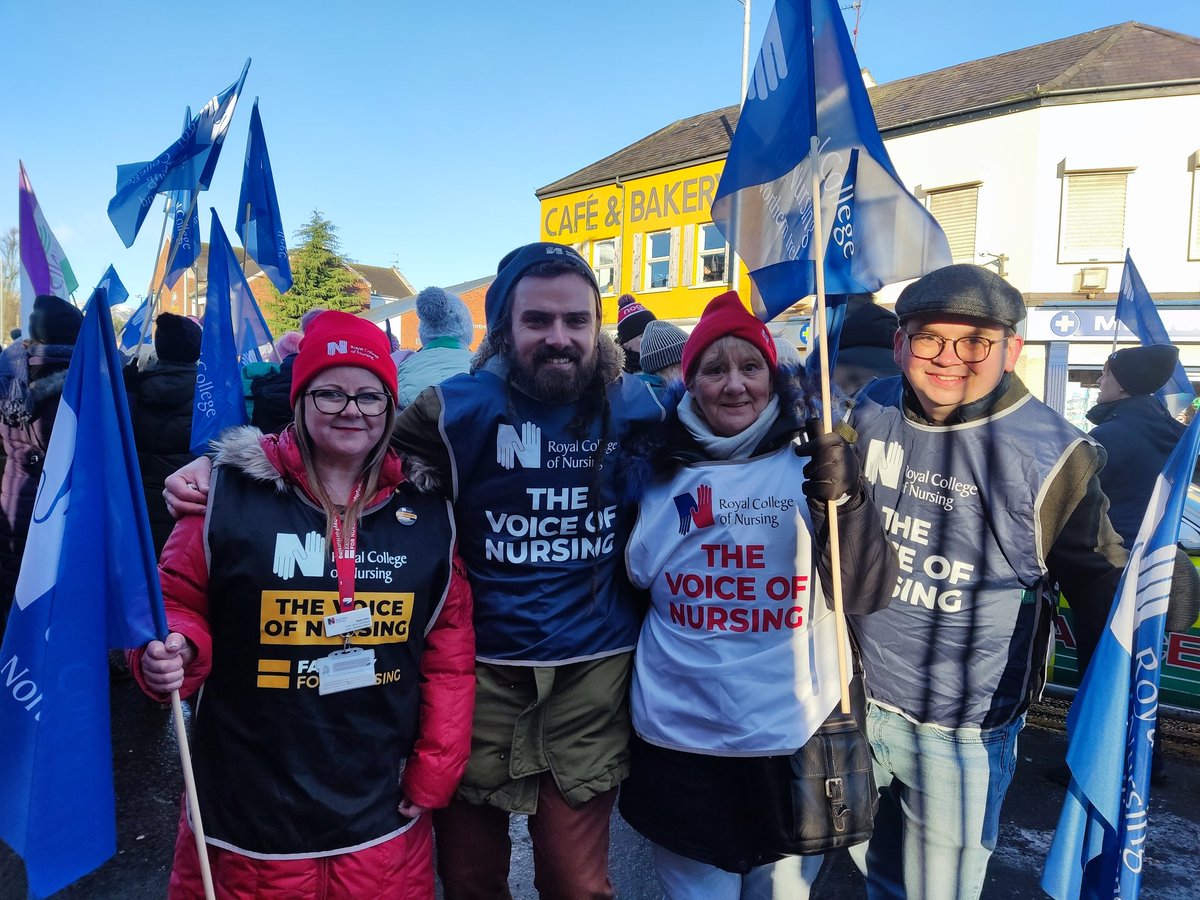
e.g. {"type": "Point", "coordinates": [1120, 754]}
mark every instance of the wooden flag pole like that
{"type": "Point", "coordinates": [189, 783]}
{"type": "Point", "coordinates": [162, 281]}
{"type": "Point", "coordinates": [818, 245]}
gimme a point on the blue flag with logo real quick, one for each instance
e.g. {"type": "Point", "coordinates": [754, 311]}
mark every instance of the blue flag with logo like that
{"type": "Point", "coordinates": [258, 223]}
{"type": "Point", "coordinates": [88, 582]}
{"type": "Point", "coordinates": [128, 341]}
{"type": "Point", "coordinates": [806, 82]}
{"type": "Point", "coordinates": [1099, 846]}
{"type": "Point", "coordinates": [187, 165]}
{"type": "Point", "coordinates": [1135, 308]}
{"type": "Point", "coordinates": [220, 401]}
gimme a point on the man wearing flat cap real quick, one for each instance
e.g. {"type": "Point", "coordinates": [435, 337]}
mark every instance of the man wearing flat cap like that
{"type": "Point", "coordinates": [992, 501]}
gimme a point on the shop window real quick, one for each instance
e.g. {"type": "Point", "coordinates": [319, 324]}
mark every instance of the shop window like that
{"type": "Point", "coordinates": [1092, 219]}
{"type": "Point", "coordinates": [604, 264]}
{"type": "Point", "coordinates": [956, 210]}
{"type": "Point", "coordinates": [712, 252]}
{"type": "Point", "coordinates": [658, 260]}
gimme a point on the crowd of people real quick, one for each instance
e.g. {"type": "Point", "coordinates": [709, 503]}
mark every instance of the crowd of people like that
{"type": "Point", "coordinates": [419, 600]}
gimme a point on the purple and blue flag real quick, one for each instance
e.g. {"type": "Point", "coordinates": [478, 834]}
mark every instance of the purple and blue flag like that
{"type": "Point", "coordinates": [187, 165]}
{"type": "Point", "coordinates": [1099, 845]}
{"type": "Point", "coordinates": [258, 223]}
{"type": "Point", "coordinates": [806, 82]}
{"type": "Point", "coordinates": [88, 582]}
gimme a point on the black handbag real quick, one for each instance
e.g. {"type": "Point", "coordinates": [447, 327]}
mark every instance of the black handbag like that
{"type": "Point", "coordinates": [833, 787]}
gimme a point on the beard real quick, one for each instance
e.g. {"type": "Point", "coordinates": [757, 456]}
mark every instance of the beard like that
{"type": "Point", "coordinates": [554, 385]}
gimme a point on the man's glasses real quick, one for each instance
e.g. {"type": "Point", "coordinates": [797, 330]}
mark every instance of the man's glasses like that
{"type": "Point", "coordinates": [331, 402]}
{"type": "Point", "coordinates": [970, 349]}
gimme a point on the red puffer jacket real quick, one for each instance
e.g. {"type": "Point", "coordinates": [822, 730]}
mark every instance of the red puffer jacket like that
{"type": "Point", "coordinates": [402, 866]}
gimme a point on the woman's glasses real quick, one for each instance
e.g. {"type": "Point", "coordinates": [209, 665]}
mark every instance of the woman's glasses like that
{"type": "Point", "coordinates": [331, 402]}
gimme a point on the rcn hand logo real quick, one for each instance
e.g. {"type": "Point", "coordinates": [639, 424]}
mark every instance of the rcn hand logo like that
{"type": "Point", "coordinates": [525, 448]}
{"type": "Point", "coordinates": [884, 463]}
{"type": "Point", "coordinates": [290, 552]}
{"type": "Point", "coordinates": [695, 510]}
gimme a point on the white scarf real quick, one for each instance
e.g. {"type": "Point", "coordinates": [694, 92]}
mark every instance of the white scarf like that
{"type": "Point", "coordinates": [738, 446]}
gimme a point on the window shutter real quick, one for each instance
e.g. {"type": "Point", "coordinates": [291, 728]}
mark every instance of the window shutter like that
{"type": "Point", "coordinates": [637, 264]}
{"type": "Point", "coordinates": [673, 264]}
{"type": "Point", "coordinates": [585, 250]}
{"type": "Point", "coordinates": [617, 264]}
{"type": "Point", "coordinates": [1093, 220]}
{"type": "Point", "coordinates": [689, 247]}
{"type": "Point", "coordinates": [957, 211]}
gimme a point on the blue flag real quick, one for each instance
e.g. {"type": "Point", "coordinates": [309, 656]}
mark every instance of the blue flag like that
{"type": "Point", "coordinates": [806, 82]}
{"type": "Point", "coordinates": [184, 245]}
{"type": "Point", "coordinates": [187, 165]}
{"type": "Point", "coordinates": [88, 582]}
{"type": "Point", "coordinates": [220, 401]}
{"type": "Point", "coordinates": [258, 222]}
{"type": "Point", "coordinates": [1098, 848]}
{"type": "Point", "coordinates": [114, 290]}
{"type": "Point", "coordinates": [1135, 308]}
{"type": "Point", "coordinates": [133, 330]}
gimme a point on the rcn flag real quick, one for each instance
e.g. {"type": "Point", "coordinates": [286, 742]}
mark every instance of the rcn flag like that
{"type": "Point", "coordinates": [1099, 845]}
{"type": "Point", "coordinates": [88, 583]}
{"type": "Point", "coordinates": [184, 245]}
{"type": "Point", "coordinates": [134, 328]}
{"type": "Point", "coordinates": [187, 165]}
{"type": "Point", "coordinates": [220, 401]}
{"type": "Point", "coordinates": [258, 222]}
{"type": "Point", "coordinates": [44, 266]}
{"type": "Point", "coordinates": [1135, 308]}
{"type": "Point", "coordinates": [806, 82]}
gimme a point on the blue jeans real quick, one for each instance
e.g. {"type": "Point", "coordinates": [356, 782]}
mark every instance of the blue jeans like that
{"type": "Point", "coordinates": [940, 792]}
{"type": "Point", "coordinates": [686, 879]}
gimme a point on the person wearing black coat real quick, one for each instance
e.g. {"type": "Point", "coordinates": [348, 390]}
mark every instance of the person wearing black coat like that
{"type": "Point", "coordinates": [160, 405]}
{"type": "Point", "coordinates": [32, 375]}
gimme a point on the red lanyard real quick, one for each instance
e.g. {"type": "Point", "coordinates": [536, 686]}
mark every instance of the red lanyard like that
{"type": "Point", "coordinates": [345, 555]}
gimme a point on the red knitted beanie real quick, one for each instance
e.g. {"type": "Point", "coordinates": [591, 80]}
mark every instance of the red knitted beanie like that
{"type": "Point", "coordinates": [725, 315]}
{"type": "Point", "coordinates": [340, 339]}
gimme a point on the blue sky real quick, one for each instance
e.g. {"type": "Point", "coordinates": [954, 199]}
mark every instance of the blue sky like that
{"type": "Point", "coordinates": [421, 129]}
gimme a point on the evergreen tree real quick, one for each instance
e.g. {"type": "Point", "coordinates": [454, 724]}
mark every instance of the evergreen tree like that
{"type": "Point", "coordinates": [319, 278]}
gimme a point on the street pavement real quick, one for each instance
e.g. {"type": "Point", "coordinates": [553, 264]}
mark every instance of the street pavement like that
{"type": "Point", "coordinates": [148, 786]}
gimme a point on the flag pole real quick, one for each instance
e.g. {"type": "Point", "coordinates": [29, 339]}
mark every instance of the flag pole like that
{"type": "Point", "coordinates": [170, 261]}
{"type": "Point", "coordinates": [161, 234]}
{"type": "Point", "coordinates": [189, 783]}
{"type": "Point", "coordinates": [818, 246]}
{"type": "Point", "coordinates": [246, 230]}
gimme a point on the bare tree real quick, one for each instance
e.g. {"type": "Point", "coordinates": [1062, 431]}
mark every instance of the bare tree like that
{"type": "Point", "coordinates": [10, 282]}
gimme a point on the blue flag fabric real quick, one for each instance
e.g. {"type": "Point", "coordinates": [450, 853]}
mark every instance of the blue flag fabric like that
{"type": "Point", "coordinates": [88, 583]}
{"type": "Point", "coordinates": [133, 329]}
{"type": "Point", "coordinates": [263, 233]}
{"type": "Point", "coordinates": [1135, 308]}
{"type": "Point", "coordinates": [220, 401]}
{"type": "Point", "coordinates": [187, 165]}
{"type": "Point", "coordinates": [1098, 847]}
{"type": "Point", "coordinates": [184, 245]}
{"type": "Point", "coordinates": [114, 290]}
{"type": "Point", "coordinates": [806, 82]}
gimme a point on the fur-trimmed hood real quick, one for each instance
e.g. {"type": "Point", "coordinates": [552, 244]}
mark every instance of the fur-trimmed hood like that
{"type": "Point", "coordinates": [275, 459]}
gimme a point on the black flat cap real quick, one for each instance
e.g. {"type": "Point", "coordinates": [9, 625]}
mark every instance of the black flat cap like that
{"type": "Point", "coordinates": [963, 290]}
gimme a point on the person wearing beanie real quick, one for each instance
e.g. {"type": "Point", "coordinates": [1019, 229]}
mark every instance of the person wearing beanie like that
{"type": "Point", "coordinates": [533, 432]}
{"type": "Point", "coordinates": [994, 502]}
{"type": "Point", "coordinates": [865, 344]}
{"type": "Point", "coordinates": [786, 354]}
{"type": "Point", "coordinates": [721, 704]}
{"type": "Point", "coordinates": [161, 398]}
{"type": "Point", "coordinates": [662, 350]}
{"type": "Point", "coordinates": [32, 374]}
{"type": "Point", "coordinates": [1137, 432]}
{"type": "Point", "coordinates": [446, 331]}
{"type": "Point", "coordinates": [632, 319]}
{"type": "Point", "coordinates": [365, 726]}
{"type": "Point", "coordinates": [269, 404]}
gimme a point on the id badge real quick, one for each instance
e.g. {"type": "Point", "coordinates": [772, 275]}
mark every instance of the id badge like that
{"type": "Point", "coordinates": [342, 623]}
{"type": "Point", "coordinates": [345, 670]}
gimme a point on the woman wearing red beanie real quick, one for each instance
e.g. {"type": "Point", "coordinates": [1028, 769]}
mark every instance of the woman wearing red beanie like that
{"type": "Point", "coordinates": [736, 665]}
{"type": "Point", "coordinates": [323, 608]}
